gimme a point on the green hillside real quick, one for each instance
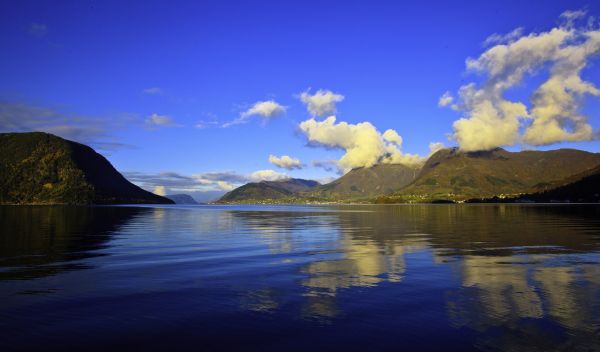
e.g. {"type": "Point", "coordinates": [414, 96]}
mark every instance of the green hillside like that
{"type": "Point", "coordinates": [40, 168]}
{"type": "Point", "coordinates": [453, 175]}
{"type": "Point", "coordinates": [271, 191]}
{"type": "Point", "coordinates": [581, 188]}
{"type": "Point", "coordinates": [362, 183]}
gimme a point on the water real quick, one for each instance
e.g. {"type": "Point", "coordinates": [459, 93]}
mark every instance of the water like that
{"type": "Point", "coordinates": [285, 278]}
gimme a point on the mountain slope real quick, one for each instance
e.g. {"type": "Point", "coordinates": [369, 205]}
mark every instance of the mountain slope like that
{"type": "Point", "coordinates": [583, 187]}
{"type": "Point", "coordinates": [367, 182]}
{"type": "Point", "coordinates": [40, 168]}
{"type": "Point", "coordinates": [454, 175]}
{"type": "Point", "coordinates": [181, 198]}
{"type": "Point", "coordinates": [267, 190]}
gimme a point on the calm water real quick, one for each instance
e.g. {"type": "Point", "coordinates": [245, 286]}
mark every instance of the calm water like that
{"type": "Point", "coordinates": [437, 277]}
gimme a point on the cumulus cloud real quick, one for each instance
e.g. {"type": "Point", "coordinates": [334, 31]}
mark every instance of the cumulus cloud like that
{"type": "Point", "coordinates": [285, 162]}
{"type": "Point", "coordinates": [156, 120]}
{"type": "Point", "coordinates": [363, 144]}
{"type": "Point", "coordinates": [160, 190]}
{"type": "Point", "coordinates": [322, 103]}
{"type": "Point", "coordinates": [435, 146]}
{"type": "Point", "coordinates": [392, 137]}
{"type": "Point", "coordinates": [267, 175]}
{"type": "Point", "coordinates": [490, 120]}
{"type": "Point", "coordinates": [266, 109]}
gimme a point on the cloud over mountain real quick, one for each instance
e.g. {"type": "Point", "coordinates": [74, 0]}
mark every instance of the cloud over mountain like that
{"type": "Point", "coordinates": [285, 162]}
{"type": "Point", "coordinates": [553, 115]}
{"type": "Point", "coordinates": [363, 144]}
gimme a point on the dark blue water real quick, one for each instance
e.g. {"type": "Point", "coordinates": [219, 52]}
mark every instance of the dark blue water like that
{"type": "Point", "coordinates": [353, 278]}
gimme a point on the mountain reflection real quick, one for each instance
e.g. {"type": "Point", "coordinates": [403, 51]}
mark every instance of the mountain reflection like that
{"type": "Point", "coordinates": [507, 277]}
{"type": "Point", "coordinates": [37, 241]}
{"type": "Point", "coordinates": [520, 268]}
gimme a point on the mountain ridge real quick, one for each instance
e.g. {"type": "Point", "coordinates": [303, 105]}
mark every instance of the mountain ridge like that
{"type": "Point", "coordinates": [457, 176]}
{"type": "Point", "coordinates": [449, 175]}
{"type": "Point", "coordinates": [282, 190]}
{"type": "Point", "coordinates": [41, 168]}
{"type": "Point", "coordinates": [181, 198]}
{"type": "Point", "coordinates": [365, 182]}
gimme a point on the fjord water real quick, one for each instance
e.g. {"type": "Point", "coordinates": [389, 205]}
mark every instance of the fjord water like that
{"type": "Point", "coordinates": [428, 277]}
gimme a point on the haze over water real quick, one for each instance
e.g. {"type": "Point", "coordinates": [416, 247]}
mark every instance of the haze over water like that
{"type": "Point", "coordinates": [429, 277]}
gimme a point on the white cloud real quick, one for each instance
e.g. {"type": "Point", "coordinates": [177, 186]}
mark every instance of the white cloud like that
{"type": "Point", "coordinates": [268, 110]}
{"type": "Point", "coordinates": [225, 186]}
{"type": "Point", "coordinates": [152, 91]}
{"type": "Point", "coordinates": [363, 144]}
{"type": "Point", "coordinates": [267, 175]}
{"type": "Point", "coordinates": [569, 17]}
{"type": "Point", "coordinates": [212, 182]}
{"type": "Point", "coordinates": [160, 190]}
{"type": "Point", "coordinates": [435, 146]}
{"type": "Point", "coordinates": [392, 137]}
{"type": "Point", "coordinates": [490, 120]}
{"type": "Point", "coordinates": [326, 180]}
{"type": "Point", "coordinates": [503, 38]}
{"type": "Point", "coordinates": [446, 99]}
{"type": "Point", "coordinates": [156, 120]}
{"type": "Point", "coordinates": [322, 103]}
{"type": "Point", "coordinates": [285, 162]}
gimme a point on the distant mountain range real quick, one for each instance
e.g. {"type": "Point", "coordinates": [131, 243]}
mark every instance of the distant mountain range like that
{"type": "Point", "coordinates": [40, 168]}
{"type": "Point", "coordinates": [288, 191]}
{"type": "Point", "coordinates": [453, 175]}
{"type": "Point", "coordinates": [181, 198]}
{"type": "Point", "coordinates": [363, 183]}
{"type": "Point", "coordinates": [450, 175]}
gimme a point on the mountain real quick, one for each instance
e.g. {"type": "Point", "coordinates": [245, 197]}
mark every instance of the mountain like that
{"type": "Point", "coordinates": [268, 191]}
{"type": "Point", "coordinates": [580, 188]}
{"type": "Point", "coordinates": [181, 198]}
{"type": "Point", "coordinates": [367, 182]}
{"type": "Point", "coordinates": [360, 183]}
{"type": "Point", "coordinates": [40, 168]}
{"type": "Point", "coordinates": [453, 175]}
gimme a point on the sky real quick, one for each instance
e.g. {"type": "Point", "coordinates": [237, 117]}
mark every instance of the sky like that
{"type": "Point", "coordinates": [199, 97]}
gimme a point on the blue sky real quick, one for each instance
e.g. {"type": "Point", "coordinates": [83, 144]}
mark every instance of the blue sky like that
{"type": "Point", "coordinates": [104, 68]}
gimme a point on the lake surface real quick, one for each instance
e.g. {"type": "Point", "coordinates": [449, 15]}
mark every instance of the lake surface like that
{"type": "Point", "coordinates": [286, 278]}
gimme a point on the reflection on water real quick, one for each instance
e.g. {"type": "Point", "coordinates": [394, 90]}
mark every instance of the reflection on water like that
{"type": "Point", "coordinates": [502, 277]}
{"type": "Point", "coordinates": [43, 240]}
